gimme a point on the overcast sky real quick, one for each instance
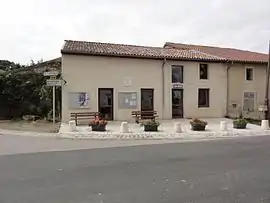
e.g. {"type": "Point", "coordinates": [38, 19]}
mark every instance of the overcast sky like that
{"type": "Point", "coordinates": [34, 29]}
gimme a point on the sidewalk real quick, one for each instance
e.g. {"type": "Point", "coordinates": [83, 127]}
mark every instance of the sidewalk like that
{"type": "Point", "coordinates": [166, 131]}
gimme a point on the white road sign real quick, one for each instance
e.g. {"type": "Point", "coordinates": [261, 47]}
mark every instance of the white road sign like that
{"type": "Point", "coordinates": [51, 82]}
{"type": "Point", "coordinates": [51, 73]}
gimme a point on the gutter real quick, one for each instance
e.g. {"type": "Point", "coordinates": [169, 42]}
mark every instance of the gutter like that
{"type": "Point", "coordinates": [163, 84]}
{"type": "Point", "coordinates": [227, 87]}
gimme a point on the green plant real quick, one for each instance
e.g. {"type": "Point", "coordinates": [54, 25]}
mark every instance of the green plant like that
{"type": "Point", "coordinates": [240, 123]}
{"type": "Point", "coordinates": [198, 125]}
{"type": "Point", "coordinates": [253, 121]}
{"type": "Point", "coordinates": [150, 125]}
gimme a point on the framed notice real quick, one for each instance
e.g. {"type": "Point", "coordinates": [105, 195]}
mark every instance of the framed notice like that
{"type": "Point", "coordinates": [79, 100]}
{"type": "Point", "coordinates": [127, 100]}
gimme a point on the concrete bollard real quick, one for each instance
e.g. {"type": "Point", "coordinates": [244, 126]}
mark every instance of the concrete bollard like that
{"type": "Point", "coordinates": [265, 124]}
{"type": "Point", "coordinates": [72, 126]}
{"type": "Point", "coordinates": [223, 126]}
{"type": "Point", "coordinates": [177, 127]}
{"type": "Point", "coordinates": [124, 127]}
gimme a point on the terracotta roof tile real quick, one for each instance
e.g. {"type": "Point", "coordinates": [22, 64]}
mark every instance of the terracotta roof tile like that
{"type": "Point", "coordinates": [228, 53]}
{"type": "Point", "coordinates": [121, 50]}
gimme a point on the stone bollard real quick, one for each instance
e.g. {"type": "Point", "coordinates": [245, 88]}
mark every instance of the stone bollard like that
{"type": "Point", "coordinates": [265, 125]}
{"type": "Point", "coordinates": [223, 126]}
{"type": "Point", "coordinates": [72, 126]}
{"type": "Point", "coordinates": [177, 127]}
{"type": "Point", "coordinates": [124, 127]}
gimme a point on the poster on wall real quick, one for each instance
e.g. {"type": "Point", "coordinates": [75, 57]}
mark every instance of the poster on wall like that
{"type": "Point", "coordinates": [79, 100]}
{"type": "Point", "coordinates": [83, 99]}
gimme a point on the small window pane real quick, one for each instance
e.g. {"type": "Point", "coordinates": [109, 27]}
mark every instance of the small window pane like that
{"type": "Point", "coordinates": [177, 74]}
{"type": "Point", "coordinates": [203, 71]}
{"type": "Point", "coordinates": [203, 98]}
{"type": "Point", "coordinates": [249, 74]}
{"type": "Point", "coordinates": [249, 101]}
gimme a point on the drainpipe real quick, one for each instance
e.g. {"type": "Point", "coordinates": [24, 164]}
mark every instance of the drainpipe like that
{"type": "Point", "coordinates": [227, 88]}
{"type": "Point", "coordinates": [163, 85]}
{"type": "Point", "coordinates": [266, 99]}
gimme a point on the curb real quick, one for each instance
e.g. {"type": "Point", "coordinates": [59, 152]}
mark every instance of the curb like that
{"type": "Point", "coordinates": [138, 136]}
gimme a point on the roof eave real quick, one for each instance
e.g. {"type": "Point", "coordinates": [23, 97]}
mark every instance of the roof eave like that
{"type": "Point", "coordinates": [140, 57]}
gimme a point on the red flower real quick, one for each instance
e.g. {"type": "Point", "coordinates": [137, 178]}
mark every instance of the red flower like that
{"type": "Point", "coordinates": [98, 121]}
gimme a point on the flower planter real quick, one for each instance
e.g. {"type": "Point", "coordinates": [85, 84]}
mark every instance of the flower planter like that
{"type": "Point", "coordinates": [240, 125]}
{"type": "Point", "coordinates": [198, 125]}
{"type": "Point", "coordinates": [150, 128]}
{"type": "Point", "coordinates": [195, 127]}
{"type": "Point", "coordinates": [100, 128]}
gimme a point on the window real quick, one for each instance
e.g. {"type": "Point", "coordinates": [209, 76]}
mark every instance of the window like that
{"type": "Point", "coordinates": [249, 101]}
{"type": "Point", "coordinates": [177, 74]}
{"type": "Point", "coordinates": [203, 71]}
{"type": "Point", "coordinates": [249, 73]}
{"type": "Point", "coordinates": [203, 98]}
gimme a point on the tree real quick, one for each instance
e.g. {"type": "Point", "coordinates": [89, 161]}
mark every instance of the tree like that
{"type": "Point", "coordinates": [23, 91]}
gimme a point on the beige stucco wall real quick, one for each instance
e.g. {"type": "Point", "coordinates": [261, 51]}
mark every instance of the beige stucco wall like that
{"type": "Point", "coordinates": [88, 73]}
{"type": "Point", "coordinates": [216, 83]}
{"type": "Point", "coordinates": [238, 85]}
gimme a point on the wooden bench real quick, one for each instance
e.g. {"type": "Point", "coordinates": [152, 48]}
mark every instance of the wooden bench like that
{"type": "Point", "coordinates": [83, 116]}
{"type": "Point", "coordinates": [144, 115]}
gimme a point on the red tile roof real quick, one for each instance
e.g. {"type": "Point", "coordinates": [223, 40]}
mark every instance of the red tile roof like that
{"type": "Point", "coordinates": [107, 49]}
{"type": "Point", "coordinates": [230, 54]}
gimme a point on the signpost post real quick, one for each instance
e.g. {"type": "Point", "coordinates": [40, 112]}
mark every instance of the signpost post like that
{"type": "Point", "coordinates": [53, 82]}
{"type": "Point", "coordinates": [266, 100]}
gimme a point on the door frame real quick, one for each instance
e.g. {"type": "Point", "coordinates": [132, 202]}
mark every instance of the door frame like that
{"type": "Point", "coordinates": [181, 104]}
{"type": "Point", "coordinates": [153, 100]}
{"type": "Point", "coordinates": [112, 108]}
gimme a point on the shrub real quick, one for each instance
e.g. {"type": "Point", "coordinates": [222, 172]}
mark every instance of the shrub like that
{"type": "Point", "coordinates": [150, 122]}
{"type": "Point", "coordinates": [198, 125]}
{"type": "Point", "coordinates": [240, 123]}
{"type": "Point", "coordinates": [150, 125]}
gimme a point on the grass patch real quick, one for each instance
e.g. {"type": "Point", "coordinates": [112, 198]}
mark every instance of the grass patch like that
{"type": "Point", "coordinates": [249, 120]}
{"type": "Point", "coordinates": [253, 121]}
{"type": "Point", "coordinates": [37, 126]}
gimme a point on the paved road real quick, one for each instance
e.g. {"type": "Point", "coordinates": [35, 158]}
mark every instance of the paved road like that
{"type": "Point", "coordinates": [11, 144]}
{"type": "Point", "coordinates": [224, 171]}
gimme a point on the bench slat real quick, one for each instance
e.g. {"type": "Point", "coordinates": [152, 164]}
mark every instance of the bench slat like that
{"type": "Point", "coordinates": [144, 115]}
{"type": "Point", "coordinates": [83, 116]}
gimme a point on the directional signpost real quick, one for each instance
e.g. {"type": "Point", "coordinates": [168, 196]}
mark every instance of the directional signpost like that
{"type": "Point", "coordinates": [53, 82]}
{"type": "Point", "coordinates": [51, 73]}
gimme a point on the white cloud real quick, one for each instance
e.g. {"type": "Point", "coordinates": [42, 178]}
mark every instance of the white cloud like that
{"type": "Point", "coordinates": [37, 29]}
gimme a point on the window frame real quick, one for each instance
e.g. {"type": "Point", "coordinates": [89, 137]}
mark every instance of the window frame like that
{"type": "Point", "coordinates": [207, 71]}
{"type": "Point", "coordinates": [207, 98]}
{"type": "Point", "coordinates": [246, 69]}
{"type": "Point", "coordinates": [181, 68]}
{"type": "Point", "coordinates": [254, 100]}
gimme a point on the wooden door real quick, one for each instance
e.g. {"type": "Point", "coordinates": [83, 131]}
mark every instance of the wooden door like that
{"type": "Point", "coordinates": [177, 103]}
{"type": "Point", "coordinates": [105, 103]}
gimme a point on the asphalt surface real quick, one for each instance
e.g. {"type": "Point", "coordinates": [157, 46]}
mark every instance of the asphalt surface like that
{"type": "Point", "coordinates": [235, 170]}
